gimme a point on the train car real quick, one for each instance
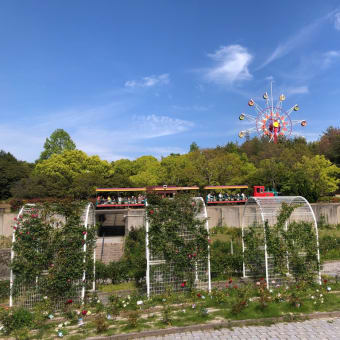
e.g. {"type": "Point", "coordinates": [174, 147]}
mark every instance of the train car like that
{"type": "Point", "coordinates": [221, 194]}
{"type": "Point", "coordinates": [133, 197]}
{"type": "Point", "coordinates": [259, 191]}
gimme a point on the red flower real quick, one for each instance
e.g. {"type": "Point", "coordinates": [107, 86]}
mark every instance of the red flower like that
{"type": "Point", "coordinates": [84, 232]}
{"type": "Point", "coordinates": [199, 295]}
{"type": "Point", "coordinates": [209, 241]}
{"type": "Point", "coordinates": [325, 281]}
{"type": "Point", "coordinates": [190, 256]}
{"type": "Point", "coordinates": [235, 286]}
{"type": "Point", "coordinates": [69, 301]}
{"type": "Point", "coordinates": [194, 254]}
{"type": "Point", "coordinates": [230, 281]}
{"type": "Point", "coordinates": [183, 284]}
{"type": "Point", "coordinates": [151, 212]}
{"type": "Point", "coordinates": [84, 312]}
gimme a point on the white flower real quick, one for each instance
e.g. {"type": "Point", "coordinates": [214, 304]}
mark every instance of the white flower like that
{"type": "Point", "coordinates": [109, 317]}
{"type": "Point", "coordinates": [273, 281]}
{"type": "Point", "coordinates": [258, 283]}
{"type": "Point", "coordinates": [45, 297]}
{"type": "Point", "coordinates": [60, 325]}
{"type": "Point", "coordinates": [278, 295]}
{"type": "Point", "coordinates": [183, 310]}
{"type": "Point", "coordinates": [124, 305]}
{"type": "Point", "coordinates": [321, 295]}
{"type": "Point", "coordinates": [329, 289]}
{"type": "Point", "coordinates": [163, 300]}
{"type": "Point", "coordinates": [128, 297]}
{"type": "Point", "coordinates": [66, 323]}
{"type": "Point", "coordinates": [89, 312]}
{"type": "Point", "coordinates": [314, 302]}
{"type": "Point", "coordinates": [321, 300]}
{"type": "Point", "coordinates": [98, 301]}
{"type": "Point", "coordinates": [312, 297]}
{"type": "Point", "coordinates": [193, 306]}
{"type": "Point", "coordinates": [51, 316]}
{"type": "Point", "coordinates": [140, 302]}
{"type": "Point", "coordinates": [203, 297]}
{"type": "Point", "coordinates": [317, 290]}
{"type": "Point", "coordinates": [270, 290]}
{"type": "Point", "coordinates": [1, 327]}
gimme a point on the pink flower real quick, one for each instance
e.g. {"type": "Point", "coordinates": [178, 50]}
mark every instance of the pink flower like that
{"type": "Point", "coordinates": [84, 232]}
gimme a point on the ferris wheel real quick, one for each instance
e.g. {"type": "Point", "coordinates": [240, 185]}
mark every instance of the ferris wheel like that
{"type": "Point", "coordinates": [271, 121]}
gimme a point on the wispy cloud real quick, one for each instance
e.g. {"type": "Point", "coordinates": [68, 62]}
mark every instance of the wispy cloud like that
{"type": "Point", "coordinates": [231, 65]}
{"type": "Point", "coordinates": [297, 90]}
{"type": "Point", "coordinates": [329, 57]}
{"type": "Point", "coordinates": [112, 131]}
{"type": "Point", "coordinates": [337, 21]}
{"type": "Point", "coordinates": [152, 126]}
{"type": "Point", "coordinates": [150, 81]}
{"type": "Point", "coordinates": [304, 35]}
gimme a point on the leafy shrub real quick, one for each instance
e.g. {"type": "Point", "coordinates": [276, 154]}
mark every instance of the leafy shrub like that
{"type": "Point", "coordinates": [223, 263]}
{"type": "Point", "coordinates": [100, 323]}
{"type": "Point", "coordinates": [4, 289]}
{"type": "Point", "coordinates": [15, 319]}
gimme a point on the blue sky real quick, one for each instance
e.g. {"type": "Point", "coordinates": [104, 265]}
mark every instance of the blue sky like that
{"type": "Point", "coordinates": [132, 78]}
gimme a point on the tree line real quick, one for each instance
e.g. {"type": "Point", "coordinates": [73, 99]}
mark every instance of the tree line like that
{"type": "Point", "coordinates": [292, 167]}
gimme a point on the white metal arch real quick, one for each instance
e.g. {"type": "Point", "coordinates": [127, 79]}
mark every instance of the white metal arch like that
{"type": "Point", "coordinates": [88, 220]}
{"type": "Point", "coordinates": [202, 269]}
{"type": "Point", "coordinates": [258, 210]}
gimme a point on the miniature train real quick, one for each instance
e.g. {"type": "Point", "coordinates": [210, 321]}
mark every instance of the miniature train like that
{"type": "Point", "coordinates": [136, 197]}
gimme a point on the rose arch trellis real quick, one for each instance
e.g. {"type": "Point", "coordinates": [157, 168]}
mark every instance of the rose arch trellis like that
{"type": "Point", "coordinates": [160, 274]}
{"type": "Point", "coordinates": [262, 212]}
{"type": "Point", "coordinates": [28, 295]}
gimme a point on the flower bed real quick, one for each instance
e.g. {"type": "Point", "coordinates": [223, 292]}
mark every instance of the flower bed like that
{"type": "Point", "coordinates": [136, 313]}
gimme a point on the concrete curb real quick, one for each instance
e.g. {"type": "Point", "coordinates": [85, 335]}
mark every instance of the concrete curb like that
{"type": "Point", "coordinates": [217, 325]}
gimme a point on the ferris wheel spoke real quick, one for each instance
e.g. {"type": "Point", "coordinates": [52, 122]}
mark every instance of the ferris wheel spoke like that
{"type": "Point", "coordinates": [258, 108]}
{"type": "Point", "coordinates": [248, 117]}
{"type": "Point", "coordinates": [297, 122]}
{"type": "Point", "coordinates": [293, 108]}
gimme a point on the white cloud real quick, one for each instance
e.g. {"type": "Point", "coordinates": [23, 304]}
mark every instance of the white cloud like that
{"type": "Point", "coordinates": [111, 131]}
{"type": "Point", "coordinates": [329, 57]}
{"type": "Point", "coordinates": [304, 35]}
{"type": "Point", "coordinates": [337, 21]}
{"type": "Point", "coordinates": [298, 90]}
{"type": "Point", "coordinates": [150, 81]}
{"type": "Point", "coordinates": [152, 126]}
{"type": "Point", "coordinates": [231, 64]}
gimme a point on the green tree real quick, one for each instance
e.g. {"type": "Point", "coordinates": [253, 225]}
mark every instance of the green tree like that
{"type": "Point", "coordinates": [148, 172]}
{"type": "Point", "coordinates": [73, 173]}
{"type": "Point", "coordinates": [329, 144]}
{"type": "Point", "coordinates": [58, 142]}
{"type": "Point", "coordinates": [11, 171]}
{"type": "Point", "coordinates": [194, 147]}
{"type": "Point", "coordinates": [314, 177]}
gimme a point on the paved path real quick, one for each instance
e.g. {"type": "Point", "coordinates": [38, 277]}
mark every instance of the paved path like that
{"type": "Point", "coordinates": [321, 329]}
